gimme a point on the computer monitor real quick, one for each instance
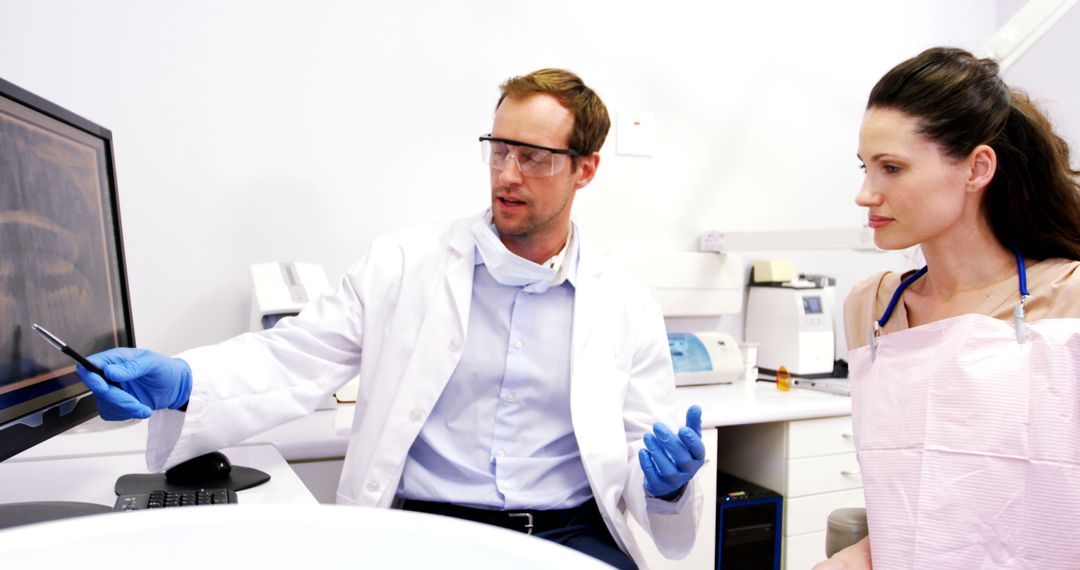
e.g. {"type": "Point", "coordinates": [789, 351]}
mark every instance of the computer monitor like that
{"type": "Point", "coordinates": [61, 264]}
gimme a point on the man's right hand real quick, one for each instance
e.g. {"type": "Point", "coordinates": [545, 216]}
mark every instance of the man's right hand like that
{"type": "Point", "coordinates": [148, 381]}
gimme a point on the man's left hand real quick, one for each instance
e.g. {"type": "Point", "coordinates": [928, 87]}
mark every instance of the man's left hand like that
{"type": "Point", "coordinates": [669, 460]}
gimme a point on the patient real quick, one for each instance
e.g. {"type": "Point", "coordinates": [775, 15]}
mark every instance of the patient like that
{"type": "Point", "coordinates": [966, 402]}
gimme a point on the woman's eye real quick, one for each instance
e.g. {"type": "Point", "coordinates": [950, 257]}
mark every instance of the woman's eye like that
{"type": "Point", "coordinates": [891, 168]}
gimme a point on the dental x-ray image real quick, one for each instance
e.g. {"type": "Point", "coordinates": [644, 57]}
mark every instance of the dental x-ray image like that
{"type": "Point", "coordinates": [54, 234]}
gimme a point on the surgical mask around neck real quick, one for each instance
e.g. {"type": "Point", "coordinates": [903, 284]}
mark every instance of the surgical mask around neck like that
{"type": "Point", "coordinates": [505, 266]}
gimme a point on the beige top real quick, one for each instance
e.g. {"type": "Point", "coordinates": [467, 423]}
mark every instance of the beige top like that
{"type": "Point", "coordinates": [1054, 286]}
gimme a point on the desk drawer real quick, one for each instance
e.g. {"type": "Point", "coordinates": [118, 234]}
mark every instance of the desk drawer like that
{"type": "Point", "coordinates": [823, 436]}
{"type": "Point", "coordinates": [824, 474]}
{"type": "Point", "coordinates": [804, 551]}
{"type": "Point", "coordinates": [811, 513]}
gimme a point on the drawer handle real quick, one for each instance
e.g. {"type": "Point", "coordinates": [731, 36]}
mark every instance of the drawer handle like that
{"type": "Point", "coordinates": [849, 472]}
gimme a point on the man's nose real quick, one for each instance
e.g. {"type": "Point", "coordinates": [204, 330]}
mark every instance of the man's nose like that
{"type": "Point", "coordinates": [511, 172]}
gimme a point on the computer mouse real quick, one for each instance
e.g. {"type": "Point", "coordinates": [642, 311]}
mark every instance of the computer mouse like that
{"type": "Point", "coordinates": [213, 466]}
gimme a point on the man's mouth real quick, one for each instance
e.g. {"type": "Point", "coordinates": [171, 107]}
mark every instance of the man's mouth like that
{"type": "Point", "coordinates": [510, 201]}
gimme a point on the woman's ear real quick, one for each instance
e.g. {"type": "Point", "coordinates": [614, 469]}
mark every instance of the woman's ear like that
{"type": "Point", "coordinates": [983, 161]}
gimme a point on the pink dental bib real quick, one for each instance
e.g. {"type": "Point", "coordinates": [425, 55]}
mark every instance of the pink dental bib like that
{"type": "Point", "coordinates": [969, 444]}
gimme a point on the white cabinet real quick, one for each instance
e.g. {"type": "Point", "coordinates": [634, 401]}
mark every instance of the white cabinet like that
{"type": "Point", "coordinates": [703, 555]}
{"type": "Point", "coordinates": [810, 462]}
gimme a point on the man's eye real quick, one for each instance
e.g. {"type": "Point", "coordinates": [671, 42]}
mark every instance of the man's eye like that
{"type": "Point", "coordinates": [535, 157]}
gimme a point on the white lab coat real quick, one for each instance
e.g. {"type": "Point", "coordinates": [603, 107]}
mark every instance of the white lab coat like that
{"type": "Point", "coordinates": [399, 317]}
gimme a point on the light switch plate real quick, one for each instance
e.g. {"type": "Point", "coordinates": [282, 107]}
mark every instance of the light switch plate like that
{"type": "Point", "coordinates": [635, 133]}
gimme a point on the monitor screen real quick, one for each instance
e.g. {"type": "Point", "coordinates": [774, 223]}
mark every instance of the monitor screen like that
{"type": "Point", "coordinates": [61, 264]}
{"type": "Point", "coordinates": [811, 305]}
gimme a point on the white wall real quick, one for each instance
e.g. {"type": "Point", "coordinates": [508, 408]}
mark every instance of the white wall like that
{"type": "Point", "coordinates": [1047, 73]}
{"type": "Point", "coordinates": [263, 130]}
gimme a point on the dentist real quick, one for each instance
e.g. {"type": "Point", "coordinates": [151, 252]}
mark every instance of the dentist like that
{"type": "Point", "coordinates": [506, 375]}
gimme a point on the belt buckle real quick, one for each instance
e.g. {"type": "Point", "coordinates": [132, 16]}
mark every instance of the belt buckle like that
{"type": "Point", "coordinates": [528, 520]}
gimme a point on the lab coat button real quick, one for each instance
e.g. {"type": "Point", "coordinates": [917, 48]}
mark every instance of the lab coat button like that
{"type": "Point", "coordinates": [509, 397]}
{"type": "Point", "coordinates": [518, 344]}
{"type": "Point", "coordinates": [372, 485]}
{"type": "Point", "coordinates": [416, 415]}
{"type": "Point", "coordinates": [455, 345]}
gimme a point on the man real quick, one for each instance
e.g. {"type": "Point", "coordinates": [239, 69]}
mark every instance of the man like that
{"type": "Point", "coordinates": [506, 376]}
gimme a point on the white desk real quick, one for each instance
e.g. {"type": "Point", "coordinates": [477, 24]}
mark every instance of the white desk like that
{"type": "Point", "coordinates": [83, 465]}
{"type": "Point", "coordinates": [759, 402]}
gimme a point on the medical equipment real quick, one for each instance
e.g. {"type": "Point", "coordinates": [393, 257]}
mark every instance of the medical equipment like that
{"type": "Point", "coordinates": [705, 358]}
{"type": "Point", "coordinates": [793, 321]}
{"type": "Point", "coordinates": [281, 289]}
{"type": "Point", "coordinates": [63, 264]}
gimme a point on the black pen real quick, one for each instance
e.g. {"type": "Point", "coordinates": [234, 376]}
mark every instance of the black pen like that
{"type": "Point", "coordinates": [74, 354]}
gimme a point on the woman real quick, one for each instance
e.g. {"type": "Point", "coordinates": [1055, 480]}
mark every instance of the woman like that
{"type": "Point", "coordinates": [966, 390]}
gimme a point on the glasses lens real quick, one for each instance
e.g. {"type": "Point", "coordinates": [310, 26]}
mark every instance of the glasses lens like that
{"type": "Point", "coordinates": [530, 161]}
{"type": "Point", "coordinates": [494, 154]}
{"type": "Point", "coordinates": [536, 162]}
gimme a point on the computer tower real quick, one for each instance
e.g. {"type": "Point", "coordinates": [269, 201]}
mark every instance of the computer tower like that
{"type": "Point", "coordinates": [748, 525]}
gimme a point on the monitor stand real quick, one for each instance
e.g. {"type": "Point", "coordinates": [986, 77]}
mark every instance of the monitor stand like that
{"type": "Point", "coordinates": [15, 514]}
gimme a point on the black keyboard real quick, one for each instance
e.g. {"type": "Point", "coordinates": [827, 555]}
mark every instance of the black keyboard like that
{"type": "Point", "coordinates": [168, 499]}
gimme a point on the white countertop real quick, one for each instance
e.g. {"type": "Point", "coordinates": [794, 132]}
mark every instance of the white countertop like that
{"type": "Point", "coordinates": [89, 476]}
{"type": "Point", "coordinates": [759, 402]}
{"type": "Point", "coordinates": [324, 434]}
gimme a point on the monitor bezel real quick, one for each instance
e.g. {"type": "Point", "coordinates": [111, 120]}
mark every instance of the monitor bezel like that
{"type": "Point", "coordinates": [17, 435]}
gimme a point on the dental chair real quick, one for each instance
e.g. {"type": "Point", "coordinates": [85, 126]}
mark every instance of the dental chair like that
{"type": "Point", "coordinates": [846, 527]}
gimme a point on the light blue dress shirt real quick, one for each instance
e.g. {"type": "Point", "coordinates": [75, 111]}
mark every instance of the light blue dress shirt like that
{"type": "Point", "coordinates": [500, 435]}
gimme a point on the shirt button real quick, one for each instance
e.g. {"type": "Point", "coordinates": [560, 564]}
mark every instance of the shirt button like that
{"type": "Point", "coordinates": [506, 486]}
{"type": "Point", "coordinates": [416, 415]}
{"type": "Point", "coordinates": [455, 345]}
{"type": "Point", "coordinates": [500, 453]}
{"type": "Point", "coordinates": [518, 344]}
{"type": "Point", "coordinates": [509, 397]}
{"type": "Point", "coordinates": [372, 485]}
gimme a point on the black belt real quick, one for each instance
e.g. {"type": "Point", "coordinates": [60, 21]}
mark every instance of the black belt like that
{"type": "Point", "coordinates": [527, 521]}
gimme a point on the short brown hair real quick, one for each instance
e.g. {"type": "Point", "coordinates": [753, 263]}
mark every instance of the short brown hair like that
{"type": "Point", "coordinates": [591, 121]}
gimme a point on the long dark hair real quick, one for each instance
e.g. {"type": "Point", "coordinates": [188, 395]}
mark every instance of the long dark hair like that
{"type": "Point", "coordinates": [1033, 201]}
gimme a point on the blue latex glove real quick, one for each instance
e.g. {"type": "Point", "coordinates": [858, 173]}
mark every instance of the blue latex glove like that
{"type": "Point", "coordinates": [148, 381]}
{"type": "Point", "coordinates": [670, 461]}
